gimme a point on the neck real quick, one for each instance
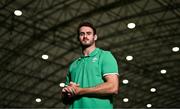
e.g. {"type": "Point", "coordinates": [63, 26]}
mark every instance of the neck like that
{"type": "Point", "coordinates": [87, 50]}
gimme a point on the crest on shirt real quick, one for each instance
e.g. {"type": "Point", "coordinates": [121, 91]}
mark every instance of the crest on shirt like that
{"type": "Point", "coordinates": [94, 59]}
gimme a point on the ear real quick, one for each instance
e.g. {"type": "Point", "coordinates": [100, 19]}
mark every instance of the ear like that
{"type": "Point", "coordinates": [95, 37]}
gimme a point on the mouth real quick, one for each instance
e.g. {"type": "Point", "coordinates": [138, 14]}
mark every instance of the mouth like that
{"type": "Point", "coordinates": [85, 39]}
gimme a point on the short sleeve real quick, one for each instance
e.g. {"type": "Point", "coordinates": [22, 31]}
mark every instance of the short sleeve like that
{"type": "Point", "coordinates": [109, 64]}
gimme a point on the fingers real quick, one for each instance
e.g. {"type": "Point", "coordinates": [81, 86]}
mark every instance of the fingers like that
{"type": "Point", "coordinates": [71, 89]}
{"type": "Point", "coordinates": [73, 84]}
{"type": "Point", "coordinates": [67, 89]}
{"type": "Point", "coordinates": [72, 92]}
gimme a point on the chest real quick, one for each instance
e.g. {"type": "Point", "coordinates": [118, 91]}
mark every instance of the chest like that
{"type": "Point", "coordinates": [87, 66]}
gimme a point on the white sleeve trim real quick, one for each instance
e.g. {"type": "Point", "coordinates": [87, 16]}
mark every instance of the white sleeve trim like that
{"type": "Point", "coordinates": [111, 74]}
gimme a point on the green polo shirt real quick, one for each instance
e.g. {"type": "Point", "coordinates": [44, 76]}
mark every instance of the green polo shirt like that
{"type": "Point", "coordinates": [88, 71]}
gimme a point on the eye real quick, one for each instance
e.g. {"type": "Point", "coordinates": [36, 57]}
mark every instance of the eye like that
{"type": "Point", "coordinates": [82, 34]}
{"type": "Point", "coordinates": [89, 33]}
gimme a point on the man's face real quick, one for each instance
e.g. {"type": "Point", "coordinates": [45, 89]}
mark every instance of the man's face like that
{"type": "Point", "coordinates": [86, 36]}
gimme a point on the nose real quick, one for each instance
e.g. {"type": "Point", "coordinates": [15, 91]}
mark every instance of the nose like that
{"type": "Point", "coordinates": [85, 35]}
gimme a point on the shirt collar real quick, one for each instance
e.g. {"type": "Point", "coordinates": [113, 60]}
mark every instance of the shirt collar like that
{"type": "Point", "coordinates": [93, 53]}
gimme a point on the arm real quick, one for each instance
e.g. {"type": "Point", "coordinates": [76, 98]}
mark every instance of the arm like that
{"type": "Point", "coordinates": [109, 87]}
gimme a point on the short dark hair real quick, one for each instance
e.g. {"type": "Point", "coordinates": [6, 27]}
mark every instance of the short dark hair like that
{"type": "Point", "coordinates": [88, 25]}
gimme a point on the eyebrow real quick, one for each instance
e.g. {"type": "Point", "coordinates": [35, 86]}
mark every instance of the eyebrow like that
{"type": "Point", "coordinates": [86, 32]}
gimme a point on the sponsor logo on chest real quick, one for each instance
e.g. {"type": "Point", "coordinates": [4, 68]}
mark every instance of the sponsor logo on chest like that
{"type": "Point", "coordinates": [94, 59]}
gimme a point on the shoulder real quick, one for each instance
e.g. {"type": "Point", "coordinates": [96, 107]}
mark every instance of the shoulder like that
{"type": "Point", "coordinates": [107, 56]}
{"type": "Point", "coordinates": [73, 61]}
{"type": "Point", "coordinates": [106, 53]}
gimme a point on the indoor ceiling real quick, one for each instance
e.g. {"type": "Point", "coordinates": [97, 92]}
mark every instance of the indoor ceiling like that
{"type": "Point", "coordinates": [48, 27]}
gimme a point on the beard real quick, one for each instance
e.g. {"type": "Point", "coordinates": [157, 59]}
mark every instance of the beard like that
{"type": "Point", "coordinates": [87, 43]}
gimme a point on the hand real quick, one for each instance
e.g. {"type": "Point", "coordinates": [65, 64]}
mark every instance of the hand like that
{"type": "Point", "coordinates": [71, 90]}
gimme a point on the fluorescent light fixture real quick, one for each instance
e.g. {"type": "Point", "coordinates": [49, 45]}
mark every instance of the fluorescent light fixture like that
{"type": "Point", "coordinates": [129, 58]}
{"type": "Point", "coordinates": [125, 99]}
{"type": "Point", "coordinates": [131, 25]}
{"type": "Point", "coordinates": [163, 71]}
{"type": "Point", "coordinates": [125, 81]}
{"type": "Point", "coordinates": [175, 49]}
{"type": "Point", "coordinates": [38, 100]}
{"type": "Point", "coordinates": [62, 85]}
{"type": "Point", "coordinates": [18, 12]}
{"type": "Point", "coordinates": [149, 105]}
{"type": "Point", "coordinates": [45, 57]}
{"type": "Point", "coordinates": [153, 90]}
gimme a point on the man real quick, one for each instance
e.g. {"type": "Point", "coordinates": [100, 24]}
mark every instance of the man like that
{"type": "Point", "coordinates": [93, 78]}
